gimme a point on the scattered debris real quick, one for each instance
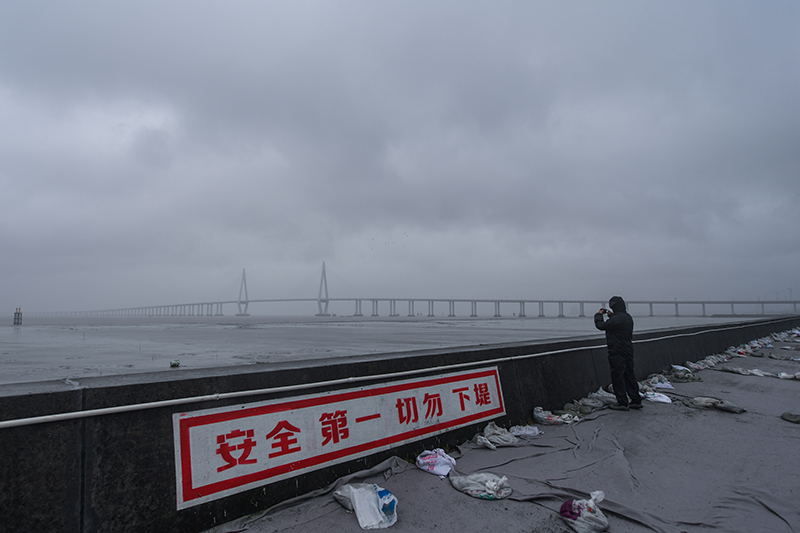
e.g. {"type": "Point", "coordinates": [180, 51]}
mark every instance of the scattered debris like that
{"type": "Point", "coordinates": [494, 436]}
{"type": "Point", "coordinates": [549, 419]}
{"type": "Point", "coordinates": [375, 507]}
{"type": "Point", "coordinates": [702, 402]}
{"type": "Point", "coordinates": [482, 485]}
{"type": "Point", "coordinates": [744, 372]}
{"type": "Point", "coordinates": [584, 516]}
{"type": "Point", "coordinates": [791, 417]}
{"type": "Point", "coordinates": [436, 462]}
{"type": "Point", "coordinates": [525, 431]}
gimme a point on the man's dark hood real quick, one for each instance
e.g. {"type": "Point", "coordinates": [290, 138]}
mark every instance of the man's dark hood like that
{"type": "Point", "coordinates": [617, 304]}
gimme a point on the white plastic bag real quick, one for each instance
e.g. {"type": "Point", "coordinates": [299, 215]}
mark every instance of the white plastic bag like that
{"type": "Point", "coordinates": [524, 431]}
{"type": "Point", "coordinates": [584, 516]}
{"type": "Point", "coordinates": [375, 507]}
{"type": "Point", "coordinates": [485, 486]}
{"type": "Point", "coordinates": [494, 436]}
{"type": "Point", "coordinates": [436, 462]}
{"type": "Point", "coordinates": [657, 397]}
{"type": "Point", "coordinates": [549, 419]}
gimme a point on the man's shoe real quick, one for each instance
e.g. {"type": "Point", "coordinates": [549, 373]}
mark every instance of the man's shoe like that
{"type": "Point", "coordinates": [635, 406]}
{"type": "Point", "coordinates": [618, 407]}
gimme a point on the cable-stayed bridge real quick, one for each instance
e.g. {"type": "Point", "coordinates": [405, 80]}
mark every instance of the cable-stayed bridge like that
{"type": "Point", "coordinates": [415, 306]}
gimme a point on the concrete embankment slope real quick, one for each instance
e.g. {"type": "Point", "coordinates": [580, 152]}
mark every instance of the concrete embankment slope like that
{"type": "Point", "coordinates": [166, 452]}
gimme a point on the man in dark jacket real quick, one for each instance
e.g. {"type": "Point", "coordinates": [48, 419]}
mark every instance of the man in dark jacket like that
{"type": "Point", "coordinates": [619, 337]}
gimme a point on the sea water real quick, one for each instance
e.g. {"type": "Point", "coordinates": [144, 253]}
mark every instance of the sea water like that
{"type": "Point", "coordinates": [55, 348]}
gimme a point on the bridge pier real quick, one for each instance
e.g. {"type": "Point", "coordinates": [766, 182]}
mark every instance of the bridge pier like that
{"type": "Point", "coordinates": [430, 308]}
{"type": "Point", "coordinates": [651, 309]}
{"type": "Point", "coordinates": [322, 305]}
{"type": "Point", "coordinates": [474, 312]}
{"type": "Point", "coordinates": [411, 308]}
{"type": "Point", "coordinates": [357, 312]}
{"type": "Point", "coordinates": [452, 306]}
{"type": "Point", "coordinates": [560, 309]}
{"type": "Point", "coordinates": [497, 309]}
{"type": "Point", "coordinates": [581, 315]}
{"type": "Point", "coordinates": [374, 307]}
{"type": "Point", "coordinates": [541, 309]}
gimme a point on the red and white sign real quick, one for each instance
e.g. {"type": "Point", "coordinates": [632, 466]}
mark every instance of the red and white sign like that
{"type": "Point", "coordinates": [219, 452]}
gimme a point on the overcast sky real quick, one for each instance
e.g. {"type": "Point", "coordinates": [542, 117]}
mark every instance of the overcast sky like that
{"type": "Point", "coordinates": [151, 150]}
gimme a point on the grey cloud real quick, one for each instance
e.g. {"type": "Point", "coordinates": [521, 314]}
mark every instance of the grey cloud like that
{"type": "Point", "coordinates": [484, 145]}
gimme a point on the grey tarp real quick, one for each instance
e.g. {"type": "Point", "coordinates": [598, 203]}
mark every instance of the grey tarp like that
{"type": "Point", "coordinates": [666, 468]}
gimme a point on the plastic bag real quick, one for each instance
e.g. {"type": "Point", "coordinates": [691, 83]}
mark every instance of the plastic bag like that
{"type": "Point", "coordinates": [584, 516]}
{"type": "Point", "coordinates": [494, 436]}
{"type": "Point", "coordinates": [657, 397]}
{"type": "Point", "coordinates": [485, 486]}
{"type": "Point", "coordinates": [549, 419]}
{"type": "Point", "coordinates": [602, 397]}
{"type": "Point", "coordinates": [375, 507]}
{"type": "Point", "coordinates": [524, 431]}
{"type": "Point", "coordinates": [436, 462]}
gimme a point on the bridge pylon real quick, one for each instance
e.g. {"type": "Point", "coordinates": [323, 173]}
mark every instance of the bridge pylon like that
{"type": "Point", "coordinates": [322, 298]}
{"type": "Point", "coordinates": [246, 301]}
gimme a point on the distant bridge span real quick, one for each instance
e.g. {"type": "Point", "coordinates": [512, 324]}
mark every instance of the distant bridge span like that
{"type": "Point", "coordinates": [215, 308]}
{"type": "Point", "coordinates": [430, 305]}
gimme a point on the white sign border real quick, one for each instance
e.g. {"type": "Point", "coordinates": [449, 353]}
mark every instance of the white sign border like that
{"type": "Point", "coordinates": [182, 461]}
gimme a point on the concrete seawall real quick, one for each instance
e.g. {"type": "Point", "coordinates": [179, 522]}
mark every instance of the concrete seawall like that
{"type": "Point", "coordinates": [106, 460]}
